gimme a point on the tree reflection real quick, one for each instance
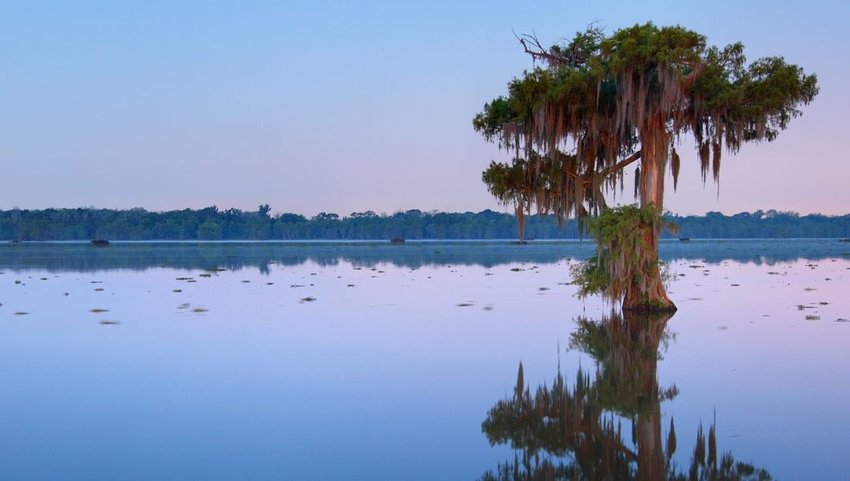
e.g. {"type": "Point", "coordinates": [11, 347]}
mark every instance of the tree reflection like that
{"type": "Point", "coordinates": [563, 432]}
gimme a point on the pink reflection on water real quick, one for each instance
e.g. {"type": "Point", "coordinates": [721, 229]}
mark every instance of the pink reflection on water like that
{"type": "Point", "coordinates": [395, 361]}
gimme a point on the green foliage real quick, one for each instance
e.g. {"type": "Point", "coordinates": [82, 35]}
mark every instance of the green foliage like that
{"type": "Point", "coordinates": [624, 258]}
{"type": "Point", "coordinates": [647, 46]}
{"type": "Point", "coordinates": [496, 114]}
{"type": "Point", "coordinates": [598, 103]}
{"type": "Point", "coordinates": [590, 277]}
{"type": "Point", "coordinates": [507, 182]}
{"type": "Point", "coordinates": [597, 99]}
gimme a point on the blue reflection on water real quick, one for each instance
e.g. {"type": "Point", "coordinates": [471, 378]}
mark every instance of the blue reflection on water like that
{"type": "Point", "coordinates": [389, 373]}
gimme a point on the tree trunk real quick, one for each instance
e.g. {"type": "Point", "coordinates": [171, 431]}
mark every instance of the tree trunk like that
{"type": "Point", "coordinates": [651, 465]}
{"type": "Point", "coordinates": [520, 217]}
{"type": "Point", "coordinates": [651, 296]}
{"type": "Point", "coordinates": [646, 332]}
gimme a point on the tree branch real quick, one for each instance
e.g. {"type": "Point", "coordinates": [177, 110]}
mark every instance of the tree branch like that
{"type": "Point", "coordinates": [620, 165]}
{"type": "Point", "coordinates": [692, 77]}
{"type": "Point", "coordinates": [588, 179]}
{"type": "Point", "coordinates": [537, 52]}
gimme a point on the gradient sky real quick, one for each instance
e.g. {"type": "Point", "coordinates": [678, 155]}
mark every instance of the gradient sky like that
{"type": "Point", "coordinates": [349, 106]}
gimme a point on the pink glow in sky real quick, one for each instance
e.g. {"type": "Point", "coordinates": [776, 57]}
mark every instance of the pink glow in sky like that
{"type": "Point", "coordinates": [352, 106]}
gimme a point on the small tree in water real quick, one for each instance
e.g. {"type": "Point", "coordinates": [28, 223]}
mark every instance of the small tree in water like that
{"type": "Point", "coordinates": [600, 103]}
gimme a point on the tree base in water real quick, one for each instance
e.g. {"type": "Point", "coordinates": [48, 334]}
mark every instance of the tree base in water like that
{"type": "Point", "coordinates": [655, 301]}
{"type": "Point", "coordinates": [651, 308]}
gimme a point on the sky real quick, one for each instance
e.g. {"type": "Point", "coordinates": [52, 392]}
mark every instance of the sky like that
{"type": "Point", "coordinates": [337, 106]}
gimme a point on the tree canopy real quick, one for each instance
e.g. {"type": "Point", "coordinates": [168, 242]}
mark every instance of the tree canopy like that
{"type": "Point", "coordinates": [596, 104]}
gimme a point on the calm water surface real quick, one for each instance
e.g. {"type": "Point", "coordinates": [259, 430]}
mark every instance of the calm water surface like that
{"type": "Point", "coordinates": [370, 361]}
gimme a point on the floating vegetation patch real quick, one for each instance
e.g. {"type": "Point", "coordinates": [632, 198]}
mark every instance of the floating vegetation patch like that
{"type": "Point", "coordinates": [308, 299]}
{"type": "Point", "coordinates": [21, 313]}
{"type": "Point", "coordinates": [516, 269]}
{"type": "Point", "coordinates": [184, 278]}
{"type": "Point", "coordinates": [98, 310]}
{"type": "Point", "coordinates": [177, 290]}
{"type": "Point", "coordinates": [800, 307]}
{"type": "Point", "coordinates": [812, 317]}
{"type": "Point", "coordinates": [296, 285]}
{"type": "Point", "coordinates": [17, 282]}
{"type": "Point", "coordinates": [245, 281]}
{"type": "Point", "coordinates": [199, 309]}
{"type": "Point", "coordinates": [349, 285]}
{"type": "Point", "coordinates": [841, 319]}
{"type": "Point", "coordinates": [109, 323]}
{"type": "Point", "coordinates": [98, 289]}
{"type": "Point", "coordinates": [185, 305]}
{"type": "Point", "coordinates": [206, 274]}
{"type": "Point", "coordinates": [542, 288]}
{"type": "Point", "coordinates": [465, 304]}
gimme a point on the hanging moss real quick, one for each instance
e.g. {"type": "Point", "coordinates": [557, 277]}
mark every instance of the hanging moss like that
{"type": "Point", "coordinates": [623, 259]}
{"type": "Point", "coordinates": [595, 105]}
{"type": "Point", "coordinates": [591, 103]}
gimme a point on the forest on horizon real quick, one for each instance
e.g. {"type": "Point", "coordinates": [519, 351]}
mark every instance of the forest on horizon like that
{"type": "Point", "coordinates": [233, 224]}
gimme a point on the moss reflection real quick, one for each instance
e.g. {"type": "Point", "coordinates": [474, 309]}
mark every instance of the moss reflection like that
{"type": "Point", "coordinates": [606, 425]}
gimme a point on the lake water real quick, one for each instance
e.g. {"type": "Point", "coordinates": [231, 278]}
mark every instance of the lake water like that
{"type": "Point", "coordinates": [316, 361]}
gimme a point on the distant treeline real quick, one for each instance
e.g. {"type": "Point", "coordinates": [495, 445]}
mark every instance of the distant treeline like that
{"type": "Point", "coordinates": [234, 224]}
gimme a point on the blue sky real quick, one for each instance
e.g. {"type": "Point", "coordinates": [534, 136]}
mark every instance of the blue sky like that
{"type": "Point", "coordinates": [352, 106]}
